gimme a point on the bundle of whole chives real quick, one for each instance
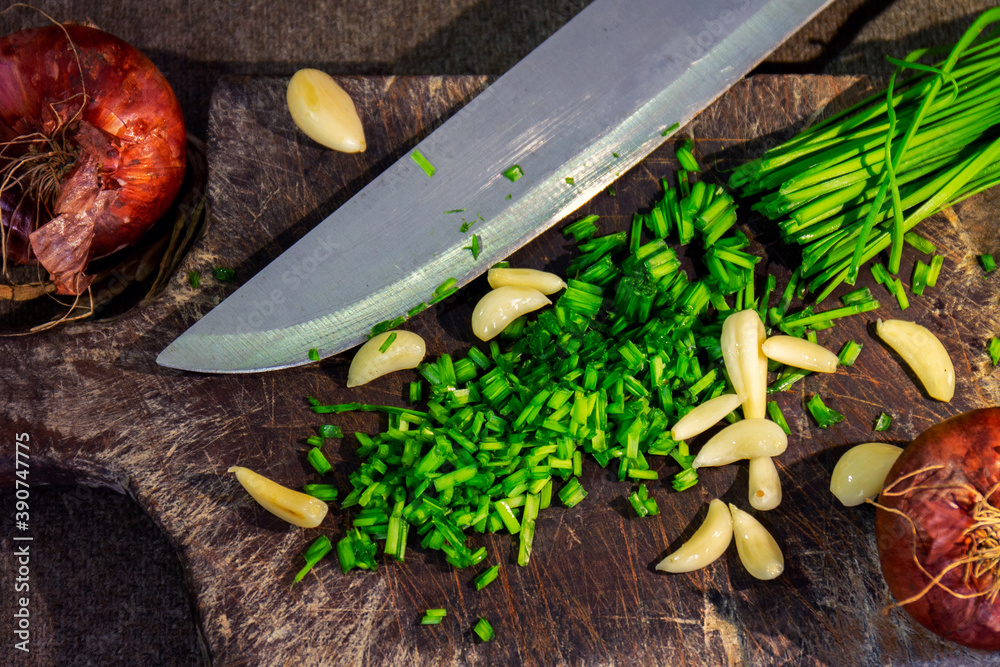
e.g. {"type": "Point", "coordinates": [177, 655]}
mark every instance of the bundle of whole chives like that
{"type": "Point", "coordinates": [630, 346]}
{"type": "Point", "coordinates": [831, 189]}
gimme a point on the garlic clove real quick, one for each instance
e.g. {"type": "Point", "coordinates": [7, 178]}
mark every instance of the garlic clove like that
{"type": "Point", "coordinates": [759, 552]}
{"type": "Point", "coordinates": [765, 485]}
{"type": "Point", "coordinates": [922, 352]}
{"type": "Point", "coordinates": [502, 306]}
{"type": "Point", "coordinates": [325, 112]}
{"type": "Point", "coordinates": [407, 350]}
{"type": "Point", "coordinates": [707, 544]}
{"type": "Point", "coordinates": [743, 334]}
{"type": "Point", "coordinates": [745, 439]}
{"type": "Point", "coordinates": [543, 281]}
{"type": "Point", "coordinates": [705, 416]}
{"type": "Point", "coordinates": [294, 507]}
{"type": "Point", "coordinates": [861, 471]}
{"type": "Point", "coordinates": [800, 353]}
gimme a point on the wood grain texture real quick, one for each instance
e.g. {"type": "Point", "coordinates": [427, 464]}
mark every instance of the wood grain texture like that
{"type": "Point", "coordinates": [100, 412]}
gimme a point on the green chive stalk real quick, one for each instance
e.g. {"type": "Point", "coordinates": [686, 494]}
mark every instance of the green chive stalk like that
{"type": "Point", "coordinates": [832, 190]}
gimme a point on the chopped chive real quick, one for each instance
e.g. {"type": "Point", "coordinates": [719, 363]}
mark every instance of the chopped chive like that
{"type": "Point", "coordinates": [319, 461]}
{"type": "Point", "coordinates": [455, 210]}
{"type": "Point", "coordinates": [325, 492]}
{"type": "Point", "coordinates": [919, 280]}
{"type": "Point", "coordinates": [433, 616]}
{"type": "Point", "coordinates": [572, 493]}
{"type": "Point", "coordinates": [313, 354]}
{"type": "Point", "coordinates": [685, 479]}
{"type": "Point", "coordinates": [859, 295]}
{"type": "Point", "coordinates": [474, 246]}
{"type": "Point", "coordinates": [443, 291]}
{"type": "Point", "coordinates": [920, 243]}
{"type": "Point", "coordinates": [666, 132]}
{"type": "Point", "coordinates": [486, 578]}
{"type": "Point", "coordinates": [777, 416]}
{"type": "Point", "coordinates": [514, 173]}
{"type": "Point", "coordinates": [937, 261]}
{"type": "Point", "coordinates": [483, 630]}
{"type": "Point", "coordinates": [994, 349]}
{"type": "Point", "coordinates": [900, 293]}
{"type": "Point", "coordinates": [849, 353]}
{"type": "Point", "coordinates": [330, 431]}
{"type": "Point", "coordinates": [315, 552]}
{"type": "Point", "coordinates": [466, 226]}
{"type": "Point", "coordinates": [687, 159]}
{"type": "Point", "coordinates": [825, 417]}
{"type": "Point", "coordinates": [356, 550]}
{"type": "Point", "coordinates": [387, 343]}
{"type": "Point", "coordinates": [570, 180]}
{"type": "Point", "coordinates": [445, 287]}
{"type": "Point", "coordinates": [416, 310]}
{"type": "Point", "coordinates": [416, 391]}
{"type": "Point", "coordinates": [987, 262]}
{"type": "Point", "coordinates": [223, 274]}
{"type": "Point", "coordinates": [423, 162]}
{"type": "Point", "coordinates": [386, 325]}
{"type": "Point", "coordinates": [194, 278]}
{"type": "Point", "coordinates": [883, 422]}
{"type": "Point", "coordinates": [583, 229]}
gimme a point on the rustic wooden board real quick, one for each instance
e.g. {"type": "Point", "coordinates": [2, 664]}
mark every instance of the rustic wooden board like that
{"type": "Point", "coordinates": [99, 411]}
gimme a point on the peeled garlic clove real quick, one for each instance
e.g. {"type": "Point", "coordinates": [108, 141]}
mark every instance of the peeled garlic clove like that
{"type": "Point", "coordinates": [543, 281]}
{"type": "Point", "coordinates": [800, 353]}
{"type": "Point", "coordinates": [861, 471]}
{"type": "Point", "coordinates": [924, 353]}
{"type": "Point", "coordinates": [294, 507]}
{"type": "Point", "coordinates": [407, 350]}
{"type": "Point", "coordinates": [742, 336]}
{"type": "Point", "coordinates": [502, 306]}
{"type": "Point", "coordinates": [705, 416]}
{"type": "Point", "coordinates": [765, 486]}
{"type": "Point", "coordinates": [759, 552]}
{"type": "Point", "coordinates": [745, 439]}
{"type": "Point", "coordinates": [325, 112]}
{"type": "Point", "coordinates": [708, 542]}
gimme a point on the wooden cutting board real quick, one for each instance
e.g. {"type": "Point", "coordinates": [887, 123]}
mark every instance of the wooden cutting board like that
{"type": "Point", "coordinates": [100, 412]}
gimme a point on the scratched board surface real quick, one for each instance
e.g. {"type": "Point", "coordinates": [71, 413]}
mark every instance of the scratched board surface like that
{"type": "Point", "coordinates": [590, 594]}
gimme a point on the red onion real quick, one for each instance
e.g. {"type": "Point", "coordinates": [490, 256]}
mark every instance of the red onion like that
{"type": "Point", "coordinates": [112, 141]}
{"type": "Point", "coordinates": [938, 529]}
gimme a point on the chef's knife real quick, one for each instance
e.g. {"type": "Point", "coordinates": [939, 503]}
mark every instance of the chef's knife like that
{"type": "Point", "coordinates": [586, 105]}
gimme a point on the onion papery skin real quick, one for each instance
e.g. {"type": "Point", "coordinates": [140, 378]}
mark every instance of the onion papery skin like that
{"type": "Point", "coordinates": [128, 173]}
{"type": "Point", "coordinates": [966, 448]}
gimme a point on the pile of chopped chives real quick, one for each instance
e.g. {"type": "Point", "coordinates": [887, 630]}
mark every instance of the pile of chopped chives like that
{"type": "Point", "coordinates": [831, 190]}
{"type": "Point", "coordinates": [629, 347]}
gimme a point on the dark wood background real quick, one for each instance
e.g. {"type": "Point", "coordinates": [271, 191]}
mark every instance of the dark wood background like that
{"type": "Point", "coordinates": [101, 412]}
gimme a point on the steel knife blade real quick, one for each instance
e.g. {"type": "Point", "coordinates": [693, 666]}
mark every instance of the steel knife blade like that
{"type": "Point", "coordinates": [586, 105]}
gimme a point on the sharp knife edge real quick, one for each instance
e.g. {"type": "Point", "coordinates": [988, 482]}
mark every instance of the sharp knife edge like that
{"type": "Point", "coordinates": [527, 214]}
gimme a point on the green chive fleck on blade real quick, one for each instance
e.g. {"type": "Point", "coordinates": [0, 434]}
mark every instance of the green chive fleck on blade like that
{"type": "Point", "coordinates": [514, 173]}
{"type": "Point", "coordinates": [423, 162]}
